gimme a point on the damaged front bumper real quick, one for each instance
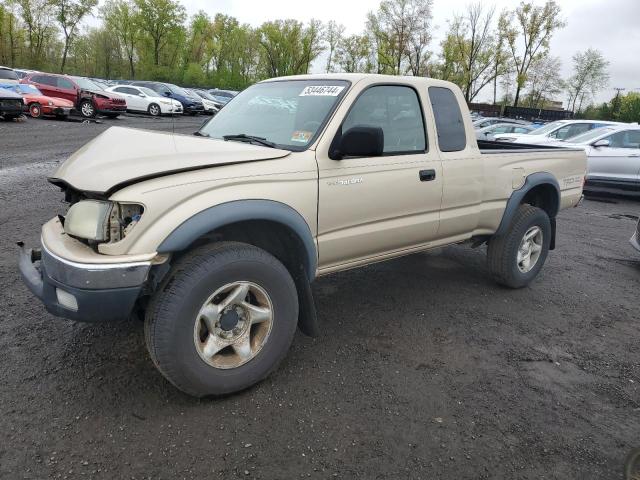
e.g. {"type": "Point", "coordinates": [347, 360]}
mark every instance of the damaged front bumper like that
{"type": "Point", "coordinates": [82, 291]}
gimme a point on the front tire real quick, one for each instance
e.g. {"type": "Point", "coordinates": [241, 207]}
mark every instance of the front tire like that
{"type": "Point", "coordinates": [35, 110]}
{"type": "Point", "coordinates": [87, 110]}
{"type": "Point", "coordinates": [222, 320]}
{"type": "Point", "coordinates": [516, 257]}
{"type": "Point", "coordinates": [154, 110]}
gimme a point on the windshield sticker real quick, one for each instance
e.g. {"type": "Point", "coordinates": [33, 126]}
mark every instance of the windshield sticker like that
{"type": "Point", "coordinates": [301, 136]}
{"type": "Point", "coordinates": [321, 91]}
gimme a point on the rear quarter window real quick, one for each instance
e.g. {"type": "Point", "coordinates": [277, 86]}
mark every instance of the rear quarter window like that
{"type": "Point", "coordinates": [452, 136]}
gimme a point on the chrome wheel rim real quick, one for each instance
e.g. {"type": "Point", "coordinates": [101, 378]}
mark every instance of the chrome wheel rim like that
{"type": "Point", "coordinates": [530, 249]}
{"type": "Point", "coordinates": [154, 110]}
{"type": "Point", "coordinates": [233, 325]}
{"type": "Point", "coordinates": [87, 109]}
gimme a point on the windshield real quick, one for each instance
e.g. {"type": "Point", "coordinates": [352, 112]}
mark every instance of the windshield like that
{"type": "Point", "coordinates": [6, 74]}
{"type": "Point", "coordinates": [148, 92]}
{"type": "Point", "coordinates": [23, 88]}
{"type": "Point", "coordinates": [86, 84]}
{"type": "Point", "coordinates": [550, 127]}
{"type": "Point", "coordinates": [590, 135]}
{"type": "Point", "coordinates": [288, 113]}
{"type": "Point", "coordinates": [177, 90]}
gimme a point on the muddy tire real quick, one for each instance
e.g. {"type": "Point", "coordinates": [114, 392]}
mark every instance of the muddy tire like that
{"type": "Point", "coordinates": [223, 319]}
{"type": "Point", "coordinates": [516, 257]}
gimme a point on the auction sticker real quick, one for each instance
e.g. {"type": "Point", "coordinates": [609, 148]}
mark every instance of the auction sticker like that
{"type": "Point", "coordinates": [301, 136]}
{"type": "Point", "coordinates": [321, 91]}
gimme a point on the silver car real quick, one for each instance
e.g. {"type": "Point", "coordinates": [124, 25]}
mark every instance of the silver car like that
{"type": "Point", "coordinates": [613, 154]}
{"type": "Point", "coordinates": [489, 133]}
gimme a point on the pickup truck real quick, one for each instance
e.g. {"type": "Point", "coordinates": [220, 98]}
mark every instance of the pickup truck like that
{"type": "Point", "coordinates": [215, 239]}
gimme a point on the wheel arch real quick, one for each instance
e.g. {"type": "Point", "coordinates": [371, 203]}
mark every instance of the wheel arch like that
{"type": "Point", "coordinates": [267, 224]}
{"type": "Point", "coordinates": [260, 213]}
{"type": "Point", "coordinates": [539, 190]}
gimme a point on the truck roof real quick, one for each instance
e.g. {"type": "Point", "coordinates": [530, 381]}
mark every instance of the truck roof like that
{"type": "Point", "coordinates": [356, 77]}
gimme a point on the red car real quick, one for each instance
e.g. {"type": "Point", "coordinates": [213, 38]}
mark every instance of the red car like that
{"type": "Point", "coordinates": [39, 105]}
{"type": "Point", "coordinates": [88, 98]}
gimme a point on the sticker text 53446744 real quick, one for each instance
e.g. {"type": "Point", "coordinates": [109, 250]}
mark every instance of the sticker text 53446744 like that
{"type": "Point", "coordinates": [321, 91]}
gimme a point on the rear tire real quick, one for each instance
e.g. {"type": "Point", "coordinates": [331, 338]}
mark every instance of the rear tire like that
{"type": "Point", "coordinates": [515, 260]}
{"type": "Point", "coordinates": [190, 331]}
{"type": "Point", "coordinates": [35, 110]}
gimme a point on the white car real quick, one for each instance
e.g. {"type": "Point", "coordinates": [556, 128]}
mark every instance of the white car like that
{"type": "Point", "coordinates": [210, 106]}
{"type": "Point", "coordinates": [8, 76]}
{"type": "Point", "coordinates": [554, 131]}
{"type": "Point", "coordinates": [613, 157]}
{"type": "Point", "coordinates": [489, 133]}
{"type": "Point", "coordinates": [143, 99]}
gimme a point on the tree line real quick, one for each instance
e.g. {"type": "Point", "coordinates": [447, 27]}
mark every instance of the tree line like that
{"type": "Point", "coordinates": [507, 51]}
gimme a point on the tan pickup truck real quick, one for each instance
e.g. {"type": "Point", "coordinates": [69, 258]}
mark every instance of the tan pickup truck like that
{"type": "Point", "coordinates": [216, 238]}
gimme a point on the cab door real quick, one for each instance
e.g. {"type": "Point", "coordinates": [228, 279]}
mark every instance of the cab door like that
{"type": "Point", "coordinates": [372, 207]}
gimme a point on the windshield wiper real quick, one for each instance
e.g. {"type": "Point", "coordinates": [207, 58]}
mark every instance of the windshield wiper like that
{"type": "Point", "coordinates": [243, 137]}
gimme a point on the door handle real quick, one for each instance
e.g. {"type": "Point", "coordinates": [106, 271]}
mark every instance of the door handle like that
{"type": "Point", "coordinates": [427, 175]}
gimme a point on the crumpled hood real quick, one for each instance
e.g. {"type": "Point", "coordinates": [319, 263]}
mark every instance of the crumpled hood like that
{"type": "Point", "coordinates": [122, 156]}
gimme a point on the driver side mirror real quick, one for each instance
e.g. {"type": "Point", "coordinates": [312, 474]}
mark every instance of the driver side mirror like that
{"type": "Point", "coordinates": [142, 95]}
{"type": "Point", "coordinates": [167, 94]}
{"type": "Point", "coordinates": [601, 143]}
{"type": "Point", "coordinates": [359, 141]}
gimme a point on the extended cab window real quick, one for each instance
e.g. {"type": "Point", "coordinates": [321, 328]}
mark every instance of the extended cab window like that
{"type": "Point", "coordinates": [452, 136]}
{"type": "Point", "coordinates": [395, 109]}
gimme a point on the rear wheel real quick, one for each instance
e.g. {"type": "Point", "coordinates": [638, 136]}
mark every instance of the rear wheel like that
{"type": "Point", "coordinates": [87, 109]}
{"type": "Point", "coordinates": [154, 110]}
{"type": "Point", "coordinates": [516, 257]}
{"type": "Point", "coordinates": [223, 319]}
{"type": "Point", "coordinates": [35, 110]}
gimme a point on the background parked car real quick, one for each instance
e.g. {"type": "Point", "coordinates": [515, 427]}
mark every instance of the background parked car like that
{"type": "Point", "coordinates": [554, 131]}
{"type": "Point", "coordinates": [210, 107]}
{"type": "Point", "coordinates": [11, 104]}
{"type": "Point", "coordinates": [486, 122]}
{"type": "Point", "coordinates": [8, 75]}
{"type": "Point", "coordinates": [489, 133]}
{"type": "Point", "coordinates": [190, 105]}
{"type": "Point", "coordinates": [143, 99]}
{"type": "Point", "coordinates": [38, 104]}
{"type": "Point", "coordinates": [223, 96]}
{"type": "Point", "coordinates": [88, 98]}
{"type": "Point", "coordinates": [613, 158]}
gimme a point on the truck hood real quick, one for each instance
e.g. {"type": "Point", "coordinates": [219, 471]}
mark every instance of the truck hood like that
{"type": "Point", "coordinates": [123, 156]}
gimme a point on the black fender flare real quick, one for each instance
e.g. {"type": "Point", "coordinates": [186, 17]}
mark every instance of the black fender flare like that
{"type": "Point", "coordinates": [533, 180]}
{"type": "Point", "coordinates": [242, 210]}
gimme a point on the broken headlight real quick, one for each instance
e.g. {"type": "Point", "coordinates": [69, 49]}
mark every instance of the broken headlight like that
{"type": "Point", "coordinates": [101, 221]}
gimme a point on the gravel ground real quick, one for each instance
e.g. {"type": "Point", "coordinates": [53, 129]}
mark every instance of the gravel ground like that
{"type": "Point", "coordinates": [425, 368]}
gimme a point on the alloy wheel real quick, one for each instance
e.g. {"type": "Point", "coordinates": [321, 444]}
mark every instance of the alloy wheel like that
{"type": "Point", "coordinates": [530, 249]}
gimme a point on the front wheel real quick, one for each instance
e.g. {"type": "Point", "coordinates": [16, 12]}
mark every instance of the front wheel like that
{"type": "Point", "coordinates": [35, 110]}
{"type": "Point", "coordinates": [154, 110]}
{"type": "Point", "coordinates": [223, 320]}
{"type": "Point", "coordinates": [87, 109]}
{"type": "Point", "coordinates": [516, 257]}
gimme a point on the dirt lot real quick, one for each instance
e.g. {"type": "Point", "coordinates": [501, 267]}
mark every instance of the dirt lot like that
{"type": "Point", "coordinates": [425, 369]}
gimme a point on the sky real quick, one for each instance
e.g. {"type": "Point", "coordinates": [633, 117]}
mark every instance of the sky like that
{"type": "Point", "coordinates": [611, 26]}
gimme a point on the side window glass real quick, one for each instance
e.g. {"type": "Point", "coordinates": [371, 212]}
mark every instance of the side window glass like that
{"type": "Point", "coordinates": [395, 109]}
{"type": "Point", "coordinates": [633, 139]}
{"type": "Point", "coordinates": [64, 83]}
{"type": "Point", "coordinates": [51, 81]}
{"type": "Point", "coordinates": [450, 127]}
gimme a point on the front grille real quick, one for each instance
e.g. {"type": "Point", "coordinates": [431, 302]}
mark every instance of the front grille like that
{"type": "Point", "coordinates": [14, 104]}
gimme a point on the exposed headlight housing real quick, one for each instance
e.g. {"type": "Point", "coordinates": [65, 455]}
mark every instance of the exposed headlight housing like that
{"type": "Point", "coordinates": [101, 221]}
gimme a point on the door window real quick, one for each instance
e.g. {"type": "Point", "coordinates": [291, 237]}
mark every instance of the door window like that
{"type": "Point", "coordinates": [452, 136]}
{"type": "Point", "coordinates": [45, 80]}
{"type": "Point", "coordinates": [569, 131]}
{"type": "Point", "coordinates": [395, 109]}
{"type": "Point", "coordinates": [625, 139]}
{"type": "Point", "coordinates": [64, 83]}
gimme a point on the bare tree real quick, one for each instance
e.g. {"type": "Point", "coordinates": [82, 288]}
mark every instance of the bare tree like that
{"type": "Point", "coordinates": [544, 81]}
{"type": "Point", "coordinates": [333, 36]}
{"type": "Point", "coordinates": [589, 76]}
{"type": "Point", "coordinates": [69, 13]}
{"type": "Point", "coordinates": [528, 31]}
{"type": "Point", "coordinates": [395, 26]}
